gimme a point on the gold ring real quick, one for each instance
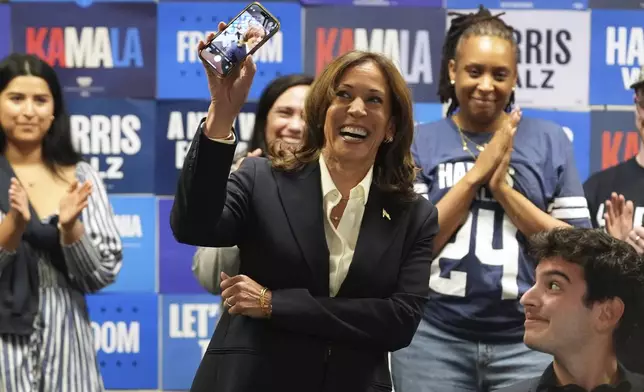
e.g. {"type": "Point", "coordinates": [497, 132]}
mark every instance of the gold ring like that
{"type": "Point", "coordinates": [227, 303]}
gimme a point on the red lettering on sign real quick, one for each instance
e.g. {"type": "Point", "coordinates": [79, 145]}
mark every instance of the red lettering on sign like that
{"type": "Point", "coordinates": [35, 42]}
{"type": "Point", "coordinates": [612, 152]}
{"type": "Point", "coordinates": [326, 39]}
{"type": "Point", "coordinates": [324, 47]}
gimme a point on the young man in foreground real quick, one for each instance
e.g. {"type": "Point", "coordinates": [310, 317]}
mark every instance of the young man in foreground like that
{"type": "Point", "coordinates": [588, 297]}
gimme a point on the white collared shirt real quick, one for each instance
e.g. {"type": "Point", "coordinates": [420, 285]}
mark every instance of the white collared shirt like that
{"type": "Point", "coordinates": [342, 240]}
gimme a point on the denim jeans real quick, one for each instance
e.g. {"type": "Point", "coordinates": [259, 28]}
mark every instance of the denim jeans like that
{"type": "Point", "coordinates": [436, 361]}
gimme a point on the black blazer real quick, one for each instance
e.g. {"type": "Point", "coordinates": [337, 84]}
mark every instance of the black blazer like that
{"type": "Point", "coordinates": [538, 384]}
{"type": "Point", "coordinates": [312, 343]}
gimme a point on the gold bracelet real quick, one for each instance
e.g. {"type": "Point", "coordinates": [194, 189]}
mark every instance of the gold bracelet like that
{"type": "Point", "coordinates": [262, 302]}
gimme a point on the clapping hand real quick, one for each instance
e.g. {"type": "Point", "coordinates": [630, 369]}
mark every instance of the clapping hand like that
{"type": "Point", "coordinates": [618, 214]}
{"type": "Point", "coordinates": [18, 202]}
{"type": "Point", "coordinates": [490, 158]}
{"type": "Point", "coordinates": [636, 238]}
{"type": "Point", "coordinates": [227, 94]}
{"type": "Point", "coordinates": [73, 203]}
{"type": "Point", "coordinates": [508, 131]}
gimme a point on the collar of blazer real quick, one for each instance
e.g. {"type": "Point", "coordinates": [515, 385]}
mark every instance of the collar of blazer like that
{"type": "Point", "coordinates": [301, 197]}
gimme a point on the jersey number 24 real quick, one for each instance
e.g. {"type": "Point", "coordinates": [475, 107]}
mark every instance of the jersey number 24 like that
{"type": "Point", "coordinates": [507, 257]}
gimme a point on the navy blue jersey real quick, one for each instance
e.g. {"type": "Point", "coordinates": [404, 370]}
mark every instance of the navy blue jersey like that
{"type": "Point", "coordinates": [479, 276]}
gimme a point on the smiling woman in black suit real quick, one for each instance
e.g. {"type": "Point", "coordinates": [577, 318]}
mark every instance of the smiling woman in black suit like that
{"type": "Point", "coordinates": [335, 246]}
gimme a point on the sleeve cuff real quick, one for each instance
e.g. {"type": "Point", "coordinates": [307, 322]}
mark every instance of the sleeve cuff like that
{"type": "Point", "coordinates": [81, 257]}
{"type": "Point", "coordinates": [231, 139]}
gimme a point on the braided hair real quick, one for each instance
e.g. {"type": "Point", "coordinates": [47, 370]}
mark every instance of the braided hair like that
{"type": "Point", "coordinates": [483, 23]}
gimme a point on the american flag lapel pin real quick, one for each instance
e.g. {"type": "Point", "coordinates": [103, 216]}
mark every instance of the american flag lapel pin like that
{"type": "Point", "coordinates": [385, 214]}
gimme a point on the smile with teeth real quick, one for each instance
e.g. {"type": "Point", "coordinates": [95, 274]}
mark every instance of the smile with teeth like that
{"type": "Point", "coordinates": [353, 133]}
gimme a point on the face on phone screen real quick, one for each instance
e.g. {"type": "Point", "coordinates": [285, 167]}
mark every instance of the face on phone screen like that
{"type": "Point", "coordinates": [250, 30]}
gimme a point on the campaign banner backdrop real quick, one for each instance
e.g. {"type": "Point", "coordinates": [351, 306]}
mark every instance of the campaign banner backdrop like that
{"type": "Point", "coordinates": [175, 259]}
{"type": "Point", "coordinates": [520, 4]}
{"type": "Point", "coordinates": [400, 3]}
{"type": "Point", "coordinates": [181, 25]}
{"type": "Point", "coordinates": [126, 337]}
{"type": "Point", "coordinates": [135, 218]}
{"type": "Point", "coordinates": [106, 50]}
{"type": "Point", "coordinates": [576, 125]}
{"type": "Point", "coordinates": [177, 123]}
{"type": "Point", "coordinates": [117, 138]}
{"type": "Point", "coordinates": [614, 138]}
{"type": "Point", "coordinates": [5, 30]}
{"type": "Point", "coordinates": [83, 3]}
{"type": "Point", "coordinates": [623, 4]}
{"type": "Point", "coordinates": [427, 112]}
{"type": "Point", "coordinates": [188, 324]}
{"type": "Point", "coordinates": [616, 56]}
{"type": "Point", "coordinates": [411, 36]}
{"type": "Point", "coordinates": [553, 57]}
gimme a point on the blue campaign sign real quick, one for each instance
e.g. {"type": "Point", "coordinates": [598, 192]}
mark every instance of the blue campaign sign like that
{"type": "Point", "coordinates": [175, 259]}
{"type": "Point", "coordinates": [427, 112]}
{"type": "Point", "coordinates": [623, 4]}
{"type": "Point", "coordinates": [106, 50]}
{"type": "Point", "coordinates": [616, 55]}
{"type": "Point", "coordinates": [394, 3]}
{"type": "Point", "coordinates": [614, 138]}
{"type": "Point", "coordinates": [188, 324]}
{"type": "Point", "coordinates": [520, 4]}
{"type": "Point", "coordinates": [411, 36]}
{"type": "Point", "coordinates": [577, 128]}
{"type": "Point", "coordinates": [136, 220]}
{"type": "Point", "coordinates": [5, 30]}
{"type": "Point", "coordinates": [177, 123]}
{"type": "Point", "coordinates": [219, 1]}
{"type": "Point", "coordinates": [117, 138]}
{"type": "Point", "coordinates": [84, 3]}
{"type": "Point", "coordinates": [126, 336]}
{"type": "Point", "coordinates": [180, 73]}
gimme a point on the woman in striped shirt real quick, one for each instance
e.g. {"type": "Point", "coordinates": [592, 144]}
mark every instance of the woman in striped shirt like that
{"type": "Point", "coordinates": [58, 239]}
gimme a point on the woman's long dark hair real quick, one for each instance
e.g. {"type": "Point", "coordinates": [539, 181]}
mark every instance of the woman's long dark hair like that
{"type": "Point", "coordinates": [57, 148]}
{"type": "Point", "coordinates": [483, 23]}
{"type": "Point", "coordinates": [266, 101]}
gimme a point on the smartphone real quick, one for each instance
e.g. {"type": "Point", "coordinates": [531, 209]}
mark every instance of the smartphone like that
{"type": "Point", "coordinates": [243, 36]}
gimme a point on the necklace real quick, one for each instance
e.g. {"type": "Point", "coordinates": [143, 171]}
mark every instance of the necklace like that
{"type": "Point", "coordinates": [465, 139]}
{"type": "Point", "coordinates": [336, 218]}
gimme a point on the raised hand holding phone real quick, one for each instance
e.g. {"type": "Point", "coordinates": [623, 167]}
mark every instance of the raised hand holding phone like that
{"type": "Point", "coordinates": [242, 36]}
{"type": "Point", "coordinates": [227, 94]}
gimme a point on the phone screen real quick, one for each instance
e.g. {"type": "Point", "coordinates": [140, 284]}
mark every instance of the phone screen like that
{"type": "Point", "coordinates": [243, 36]}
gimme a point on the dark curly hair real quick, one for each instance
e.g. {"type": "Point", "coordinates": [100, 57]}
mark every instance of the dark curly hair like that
{"type": "Point", "coordinates": [612, 268]}
{"type": "Point", "coordinates": [483, 23]}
